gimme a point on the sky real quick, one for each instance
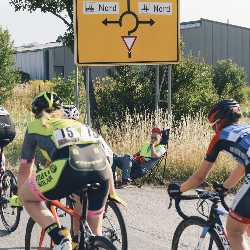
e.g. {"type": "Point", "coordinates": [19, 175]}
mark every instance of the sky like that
{"type": "Point", "coordinates": [25, 27]}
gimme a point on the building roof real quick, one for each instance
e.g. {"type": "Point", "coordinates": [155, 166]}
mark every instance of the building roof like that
{"type": "Point", "coordinates": [197, 23]}
{"type": "Point", "coordinates": [37, 46]}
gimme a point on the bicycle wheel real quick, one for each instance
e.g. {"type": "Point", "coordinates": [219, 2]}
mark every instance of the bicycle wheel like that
{"type": "Point", "coordinates": [35, 238]}
{"type": "Point", "coordinates": [187, 236]}
{"type": "Point", "coordinates": [10, 216]}
{"type": "Point", "coordinates": [114, 227]}
{"type": "Point", "coordinates": [100, 242]}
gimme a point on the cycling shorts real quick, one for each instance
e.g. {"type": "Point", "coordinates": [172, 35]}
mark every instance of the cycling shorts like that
{"type": "Point", "coordinates": [240, 209]}
{"type": "Point", "coordinates": [86, 165]}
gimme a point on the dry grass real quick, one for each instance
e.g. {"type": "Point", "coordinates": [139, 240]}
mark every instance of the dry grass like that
{"type": "Point", "coordinates": [19, 106]}
{"type": "Point", "coordinates": [187, 145]}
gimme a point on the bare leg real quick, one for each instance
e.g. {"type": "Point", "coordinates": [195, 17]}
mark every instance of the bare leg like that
{"type": "Point", "coordinates": [78, 210]}
{"type": "Point", "coordinates": [236, 231]}
{"type": "Point", "coordinates": [36, 209]}
{"type": "Point", "coordinates": [95, 223]}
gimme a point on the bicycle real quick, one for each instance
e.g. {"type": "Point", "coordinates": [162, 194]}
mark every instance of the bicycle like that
{"type": "Point", "coordinates": [87, 241]}
{"type": "Point", "coordinates": [114, 227]}
{"type": "Point", "coordinates": [209, 232]}
{"type": "Point", "coordinates": [10, 216]}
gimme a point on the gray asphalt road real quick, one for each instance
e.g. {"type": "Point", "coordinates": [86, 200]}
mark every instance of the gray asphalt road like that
{"type": "Point", "coordinates": [149, 222]}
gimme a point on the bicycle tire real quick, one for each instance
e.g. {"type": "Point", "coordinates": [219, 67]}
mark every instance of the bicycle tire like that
{"type": "Point", "coordinates": [97, 242]}
{"type": "Point", "coordinates": [12, 184]}
{"type": "Point", "coordinates": [194, 221]}
{"type": "Point", "coordinates": [123, 231]}
{"type": "Point", "coordinates": [28, 235]}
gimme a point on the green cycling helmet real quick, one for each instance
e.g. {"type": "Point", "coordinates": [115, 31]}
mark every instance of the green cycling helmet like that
{"type": "Point", "coordinates": [47, 101]}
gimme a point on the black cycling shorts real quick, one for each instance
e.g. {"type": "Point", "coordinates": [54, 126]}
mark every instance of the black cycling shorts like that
{"type": "Point", "coordinates": [240, 209]}
{"type": "Point", "coordinates": [66, 176]}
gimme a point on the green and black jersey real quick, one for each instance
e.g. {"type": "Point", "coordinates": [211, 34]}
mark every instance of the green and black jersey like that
{"type": "Point", "coordinates": [53, 136]}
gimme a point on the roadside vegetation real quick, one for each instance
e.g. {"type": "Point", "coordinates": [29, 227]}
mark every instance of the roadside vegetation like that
{"type": "Point", "coordinates": [188, 139]}
{"type": "Point", "coordinates": [124, 107]}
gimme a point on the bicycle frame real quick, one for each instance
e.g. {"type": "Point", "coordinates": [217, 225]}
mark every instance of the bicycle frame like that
{"type": "Point", "coordinates": [214, 222]}
{"type": "Point", "coordinates": [52, 206]}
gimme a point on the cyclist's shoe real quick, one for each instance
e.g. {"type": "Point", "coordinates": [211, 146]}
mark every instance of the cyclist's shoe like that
{"type": "Point", "coordinates": [15, 201]}
{"type": "Point", "coordinates": [74, 245]}
{"type": "Point", "coordinates": [115, 197]}
{"type": "Point", "coordinates": [65, 244]}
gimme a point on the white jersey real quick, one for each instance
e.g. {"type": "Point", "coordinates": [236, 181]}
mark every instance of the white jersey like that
{"type": "Point", "coordinates": [107, 149]}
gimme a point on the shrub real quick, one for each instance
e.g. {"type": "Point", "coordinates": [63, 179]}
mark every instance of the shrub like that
{"type": "Point", "coordinates": [193, 88]}
{"type": "Point", "coordinates": [229, 80]}
{"type": "Point", "coordinates": [128, 89]}
{"type": "Point", "coordinates": [66, 89]}
{"type": "Point", "coordinates": [8, 76]}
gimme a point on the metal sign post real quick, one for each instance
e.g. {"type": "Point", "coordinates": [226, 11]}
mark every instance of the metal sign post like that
{"type": "Point", "coordinates": [157, 87]}
{"type": "Point", "coordinates": [87, 81]}
{"type": "Point", "coordinates": [77, 93]}
{"type": "Point", "coordinates": [170, 90]}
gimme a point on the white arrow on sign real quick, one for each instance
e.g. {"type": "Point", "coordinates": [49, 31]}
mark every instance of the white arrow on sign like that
{"type": "Point", "coordinates": [129, 41]}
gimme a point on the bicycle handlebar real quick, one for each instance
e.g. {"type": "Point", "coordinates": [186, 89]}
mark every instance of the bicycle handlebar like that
{"type": "Point", "coordinates": [215, 197]}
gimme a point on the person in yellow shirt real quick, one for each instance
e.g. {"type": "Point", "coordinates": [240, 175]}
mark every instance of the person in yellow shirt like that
{"type": "Point", "coordinates": [140, 163]}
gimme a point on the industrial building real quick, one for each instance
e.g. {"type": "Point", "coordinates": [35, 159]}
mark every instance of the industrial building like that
{"type": "Point", "coordinates": [210, 40]}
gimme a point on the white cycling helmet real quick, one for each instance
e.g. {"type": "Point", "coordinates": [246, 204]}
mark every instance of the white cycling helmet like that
{"type": "Point", "coordinates": [71, 112]}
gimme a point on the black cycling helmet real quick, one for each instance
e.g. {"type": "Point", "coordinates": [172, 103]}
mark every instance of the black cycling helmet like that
{"type": "Point", "coordinates": [48, 101]}
{"type": "Point", "coordinates": [227, 110]}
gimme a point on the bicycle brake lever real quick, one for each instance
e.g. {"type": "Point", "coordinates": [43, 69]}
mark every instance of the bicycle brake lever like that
{"type": "Point", "coordinates": [170, 203]}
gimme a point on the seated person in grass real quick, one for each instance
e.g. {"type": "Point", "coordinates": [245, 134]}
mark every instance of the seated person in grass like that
{"type": "Point", "coordinates": [142, 162]}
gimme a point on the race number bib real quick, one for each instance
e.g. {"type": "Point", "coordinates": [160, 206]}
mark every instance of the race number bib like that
{"type": "Point", "coordinates": [66, 136]}
{"type": "Point", "coordinates": [73, 135]}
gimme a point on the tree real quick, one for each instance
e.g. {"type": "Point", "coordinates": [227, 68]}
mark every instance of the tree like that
{"type": "Point", "coordinates": [63, 9]}
{"type": "Point", "coordinates": [128, 89]}
{"type": "Point", "coordinates": [8, 75]}
{"type": "Point", "coordinates": [66, 88]}
{"type": "Point", "coordinates": [229, 79]}
{"type": "Point", "coordinates": [193, 88]}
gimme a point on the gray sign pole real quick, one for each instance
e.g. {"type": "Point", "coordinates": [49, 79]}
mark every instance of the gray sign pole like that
{"type": "Point", "coordinates": [170, 90]}
{"type": "Point", "coordinates": [77, 88]}
{"type": "Point", "coordinates": [87, 81]}
{"type": "Point", "coordinates": [157, 87]}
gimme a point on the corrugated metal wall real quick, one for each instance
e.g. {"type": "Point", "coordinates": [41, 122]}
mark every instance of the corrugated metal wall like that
{"type": "Point", "coordinates": [214, 41]}
{"type": "Point", "coordinates": [31, 62]}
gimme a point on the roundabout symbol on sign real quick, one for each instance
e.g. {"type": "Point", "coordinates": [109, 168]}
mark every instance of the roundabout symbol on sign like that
{"type": "Point", "coordinates": [138, 22]}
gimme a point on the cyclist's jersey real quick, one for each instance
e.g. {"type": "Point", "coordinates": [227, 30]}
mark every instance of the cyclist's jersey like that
{"type": "Point", "coordinates": [54, 137]}
{"type": "Point", "coordinates": [234, 139]}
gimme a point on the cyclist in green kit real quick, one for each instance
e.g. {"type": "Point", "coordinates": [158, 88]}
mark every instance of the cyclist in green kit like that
{"type": "Point", "coordinates": [76, 158]}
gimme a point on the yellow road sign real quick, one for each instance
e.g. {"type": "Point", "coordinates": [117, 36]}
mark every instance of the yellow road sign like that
{"type": "Point", "coordinates": [126, 31]}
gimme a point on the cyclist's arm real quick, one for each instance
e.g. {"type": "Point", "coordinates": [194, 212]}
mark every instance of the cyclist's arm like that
{"type": "Point", "coordinates": [25, 171]}
{"type": "Point", "coordinates": [198, 177]}
{"type": "Point", "coordinates": [234, 177]}
{"type": "Point", "coordinates": [27, 159]}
